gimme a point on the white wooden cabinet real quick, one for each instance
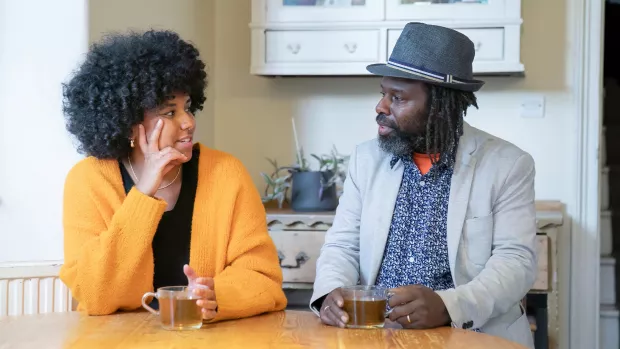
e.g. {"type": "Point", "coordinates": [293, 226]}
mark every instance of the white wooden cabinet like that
{"type": "Point", "coordinates": [342, 37]}
{"type": "Point", "coordinates": [298, 238]}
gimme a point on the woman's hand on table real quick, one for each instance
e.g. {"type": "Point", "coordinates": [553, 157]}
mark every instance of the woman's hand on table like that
{"type": "Point", "coordinates": [203, 287]}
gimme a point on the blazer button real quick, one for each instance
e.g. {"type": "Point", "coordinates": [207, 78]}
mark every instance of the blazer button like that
{"type": "Point", "coordinates": [469, 324]}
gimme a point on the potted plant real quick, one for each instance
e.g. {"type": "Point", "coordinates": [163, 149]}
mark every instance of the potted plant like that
{"type": "Point", "coordinates": [317, 190]}
{"type": "Point", "coordinates": [278, 184]}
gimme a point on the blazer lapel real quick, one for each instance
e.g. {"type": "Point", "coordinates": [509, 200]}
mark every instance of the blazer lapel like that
{"type": "Point", "coordinates": [459, 192]}
{"type": "Point", "coordinates": [389, 183]}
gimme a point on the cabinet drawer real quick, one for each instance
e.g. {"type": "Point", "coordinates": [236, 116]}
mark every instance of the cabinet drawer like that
{"type": "Point", "coordinates": [489, 43]}
{"type": "Point", "coordinates": [542, 276]}
{"type": "Point", "coordinates": [298, 252]}
{"type": "Point", "coordinates": [320, 46]}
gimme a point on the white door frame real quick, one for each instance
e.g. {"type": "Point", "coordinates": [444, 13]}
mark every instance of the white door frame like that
{"type": "Point", "coordinates": [584, 309]}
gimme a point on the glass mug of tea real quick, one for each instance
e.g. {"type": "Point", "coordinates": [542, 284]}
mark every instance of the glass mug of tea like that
{"type": "Point", "coordinates": [365, 305]}
{"type": "Point", "coordinates": [178, 309]}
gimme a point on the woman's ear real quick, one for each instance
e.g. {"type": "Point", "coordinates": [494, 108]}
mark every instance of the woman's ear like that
{"type": "Point", "coordinates": [133, 137]}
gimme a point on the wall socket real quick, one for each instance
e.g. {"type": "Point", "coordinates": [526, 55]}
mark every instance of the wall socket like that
{"type": "Point", "coordinates": [533, 106]}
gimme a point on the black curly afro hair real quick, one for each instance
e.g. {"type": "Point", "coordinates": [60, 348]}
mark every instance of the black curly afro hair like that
{"type": "Point", "coordinates": [123, 76]}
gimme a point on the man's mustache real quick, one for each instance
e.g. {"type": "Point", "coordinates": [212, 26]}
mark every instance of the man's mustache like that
{"type": "Point", "coordinates": [383, 120]}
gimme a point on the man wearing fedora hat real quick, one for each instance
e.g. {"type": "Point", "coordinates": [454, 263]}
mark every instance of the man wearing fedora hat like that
{"type": "Point", "coordinates": [435, 210]}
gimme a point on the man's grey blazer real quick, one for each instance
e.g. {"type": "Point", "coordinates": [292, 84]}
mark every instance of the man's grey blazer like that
{"type": "Point", "coordinates": [491, 232]}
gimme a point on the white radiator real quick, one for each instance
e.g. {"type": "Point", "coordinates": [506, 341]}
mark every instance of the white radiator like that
{"type": "Point", "coordinates": [35, 288]}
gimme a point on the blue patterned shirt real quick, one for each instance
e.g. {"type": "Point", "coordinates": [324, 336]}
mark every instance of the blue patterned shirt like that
{"type": "Point", "coordinates": [416, 251]}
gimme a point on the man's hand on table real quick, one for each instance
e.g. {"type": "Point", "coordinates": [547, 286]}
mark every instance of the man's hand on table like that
{"type": "Point", "coordinates": [418, 307]}
{"type": "Point", "coordinates": [331, 310]}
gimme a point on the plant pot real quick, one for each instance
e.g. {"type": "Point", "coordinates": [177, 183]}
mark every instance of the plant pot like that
{"type": "Point", "coordinates": [307, 195]}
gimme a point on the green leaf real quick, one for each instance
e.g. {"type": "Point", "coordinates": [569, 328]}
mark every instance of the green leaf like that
{"type": "Point", "coordinates": [280, 200]}
{"type": "Point", "coordinates": [317, 158]}
{"type": "Point", "coordinates": [273, 163]}
{"type": "Point", "coordinates": [282, 180]}
{"type": "Point", "coordinates": [268, 179]}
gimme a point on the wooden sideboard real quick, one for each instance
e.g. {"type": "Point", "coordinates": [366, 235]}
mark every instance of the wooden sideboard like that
{"type": "Point", "coordinates": [299, 237]}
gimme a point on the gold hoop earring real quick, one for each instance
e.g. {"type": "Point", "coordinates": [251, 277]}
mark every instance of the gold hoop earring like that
{"type": "Point", "coordinates": [131, 143]}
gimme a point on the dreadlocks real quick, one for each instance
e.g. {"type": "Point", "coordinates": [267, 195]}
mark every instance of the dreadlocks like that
{"type": "Point", "coordinates": [446, 109]}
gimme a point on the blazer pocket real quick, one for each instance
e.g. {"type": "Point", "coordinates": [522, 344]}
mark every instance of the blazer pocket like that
{"type": "Point", "coordinates": [478, 239]}
{"type": "Point", "coordinates": [519, 331]}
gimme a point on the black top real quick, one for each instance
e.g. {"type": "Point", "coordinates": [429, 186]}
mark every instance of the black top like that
{"type": "Point", "coordinates": [172, 239]}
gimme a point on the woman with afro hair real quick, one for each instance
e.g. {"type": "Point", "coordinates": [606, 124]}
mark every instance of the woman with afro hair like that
{"type": "Point", "coordinates": [148, 207]}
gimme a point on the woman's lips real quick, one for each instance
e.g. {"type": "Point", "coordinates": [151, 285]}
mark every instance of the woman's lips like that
{"type": "Point", "coordinates": [185, 143]}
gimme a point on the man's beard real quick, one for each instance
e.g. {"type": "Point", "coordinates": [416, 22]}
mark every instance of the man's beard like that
{"type": "Point", "coordinates": [400, 143]}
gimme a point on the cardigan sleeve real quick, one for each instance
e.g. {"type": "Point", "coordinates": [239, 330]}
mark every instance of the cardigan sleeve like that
{"type": "Point", "coordinates": [108, 256]}
{"type": "Point", "coordinates": [251, 283]}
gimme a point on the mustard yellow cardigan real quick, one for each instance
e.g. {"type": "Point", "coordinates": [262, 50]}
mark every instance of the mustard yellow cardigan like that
{"type": "Point", "coordinates": [108, 234]}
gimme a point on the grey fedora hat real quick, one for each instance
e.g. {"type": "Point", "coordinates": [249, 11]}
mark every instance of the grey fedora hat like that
{"type": "Point", "coordinates": [432, 54]}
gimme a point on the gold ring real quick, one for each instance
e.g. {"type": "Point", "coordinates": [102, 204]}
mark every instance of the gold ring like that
{"type": "Point", "coordinates": [408, 319]}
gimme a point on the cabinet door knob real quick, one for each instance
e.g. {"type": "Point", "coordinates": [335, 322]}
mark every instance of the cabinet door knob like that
{"type": "Point", "coordinates": [351, 47]}
{"type": "Point", "coordinates": [294, 48]}
{"type": "Point", "coordinates": [300, 259]}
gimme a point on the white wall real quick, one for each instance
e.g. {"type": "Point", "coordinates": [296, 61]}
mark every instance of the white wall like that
{"type": "Point", "coordinates": [348, 120]}
{"type": "Point", "coordinates": [41, 42]}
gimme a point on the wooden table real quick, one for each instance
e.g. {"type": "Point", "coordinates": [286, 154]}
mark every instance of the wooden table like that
{"type": "Point", "coordinates": [290, 329]}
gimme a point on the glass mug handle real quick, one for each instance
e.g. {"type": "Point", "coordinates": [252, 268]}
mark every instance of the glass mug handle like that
{"type": "Point", "coordinates": [145, 306]}
{"type": "Point", "coordinates": [389, 310]}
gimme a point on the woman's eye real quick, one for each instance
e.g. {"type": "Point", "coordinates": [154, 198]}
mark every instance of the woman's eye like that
{"type": "Point", "coordinates": [170, 113]}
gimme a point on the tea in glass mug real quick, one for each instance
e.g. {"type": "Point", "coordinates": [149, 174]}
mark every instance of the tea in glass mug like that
{"type": "Point", "coordinates": [365, 305]}
{"type": "Point", "coordinates": [177, 308]}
